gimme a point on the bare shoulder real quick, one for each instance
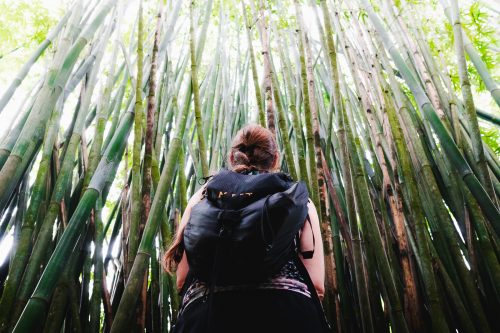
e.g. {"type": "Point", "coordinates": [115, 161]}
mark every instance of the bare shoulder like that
{"type": "Point", "coordinates": [312, 211]}
{"type": "Point", "coordinates": [310, 205]}
{"type": "Point", "coordinates": [196, 197]}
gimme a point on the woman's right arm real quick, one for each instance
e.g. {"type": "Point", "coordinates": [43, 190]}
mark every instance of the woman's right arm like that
{"type": "Point", "coordinates": [182, 267]}
{"type": "Point", "coordinates": [310, 238]}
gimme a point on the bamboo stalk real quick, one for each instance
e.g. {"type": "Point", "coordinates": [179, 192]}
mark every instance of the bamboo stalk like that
{"type": "Point", "coordinates": [55, 84]}
{"type": "Point", "coordinates": [23, 72]}
{"type": "Point", "coordinates": [35, 308]}
{"type": "Point", "coordinates": [196, 94]}
{"type": "Point", "coordinates": [488, 80]}
{"type": "Point", "coordinates": [136, 278]}
{"type": "Point", "coordinates": [258, 94]}
{"type": "Point", "coordinates": [268, 75]}
{"type": "Point", "coordinates": [470, 110]}
{"type": "Point", "coordinates": [135, 197]}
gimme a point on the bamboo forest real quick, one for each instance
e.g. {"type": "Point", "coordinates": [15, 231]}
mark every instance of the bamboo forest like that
{"type": "Point", "coordinates": [112, 113]}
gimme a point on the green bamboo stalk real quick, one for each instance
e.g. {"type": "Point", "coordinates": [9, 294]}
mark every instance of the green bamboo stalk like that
{"type": "Point", "coordinates": [57, 310]}
{"type": "Point", "coordinates": [463, 317]}
{"type": "Point", "coordinates": [95, 301]}
{"type": "Point", "coordinates": [419, 67]}
{"type": "Point", "coordinates": [313, 185]}
{"type": "Point", "coordinates": [102, 106]}
{"type": "Point", "coordinates": [135, 198]}
{"type": "Point", "coordinates": [258, 94]}
{"type": "Point", "coordinates": [214, 145]}
{"type": "Point", "coordinates": [417, 216]}
{"type": "Point", "coordinates": [429, 114]}
{"type": "Point", "coordinates": [73, 318]}
{"type": "Point", "coordinates": [9, 140]}
{"type": "Point", "coordinates": [60, 299]}
{"type": "Point", "coordinates": [154, 294]}
{"type": "Point", "coordinates": [182, 182]}
{"type": "Point", "coordinates": [116, 111]}
{"type": "Point", "coordinates": [86, 272]}
{"type": "Point", "coordinates": [372, 234]}
{"type": "Point", "coordinates": [36, 307]}
{"type": "Point", "coordinates": [23, 72]}
{"type": "Point", "coordinates": [22, 253]}
{"type": "Point", "coordinates": [360, 284]}
{"type": "Point", "coordinates": [332, 60]}
{"type": "Point", "coordinates": [21, 204]}
{"type": "Point", "coordinates": [474, 56]}
{"type": "Point", "coordinates": [282, 124]}
{"type": "Point", "coordinates": [292, 106]}
{"type": "Point", "coordinates": [446, 228]}
{"type": "Point", "coordinates": [63, 179]}
{"type": "Point", "coordinates": [55, 83]}
{"type": "Point", "coordinates": [318, 180]}
{"type": "Point", "coordinates": [135, 281]}
{"type": "Point", "coordinates": [470, 110]}
{"type": "Point", "coordinates": [196, 93]}
{"type": "Point", "coordinates": [490, 256]}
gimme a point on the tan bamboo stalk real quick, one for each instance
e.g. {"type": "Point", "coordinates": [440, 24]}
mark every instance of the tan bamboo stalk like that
{"type": "Point", "coordinates": [396, 130]}
{"type": "Point", "coordinates": [148, 155]}
{"type": "Point", "coordinates": [268, 89]}
{"type": "Point", "coordinates": [391, 190]}
{"type": "Point", "coordinates": [411, 297]}
{"type": "Point", "coordinates": [315, 131]}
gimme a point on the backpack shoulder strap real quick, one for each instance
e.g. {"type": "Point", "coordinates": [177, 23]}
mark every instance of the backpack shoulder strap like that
{"type": "Point", "coordinates": [309, 254]}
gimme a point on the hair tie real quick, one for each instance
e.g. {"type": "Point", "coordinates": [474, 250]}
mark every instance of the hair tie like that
{"type": "Point", "coordinates": [244, 149]}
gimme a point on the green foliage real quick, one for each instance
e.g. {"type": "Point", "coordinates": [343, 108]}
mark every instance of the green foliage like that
{"type": "Point", "coordinates": [23, 24]}
{"type": "Point", "coordinates": [492, 138]}
{"type": "Point", "coordinates": [482, 35]}
{"type": "Point", "coordinates": [476, 24]}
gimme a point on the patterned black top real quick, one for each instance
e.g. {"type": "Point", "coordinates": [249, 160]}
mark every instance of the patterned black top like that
{"type": "Point", "coordinates": [288, 278]}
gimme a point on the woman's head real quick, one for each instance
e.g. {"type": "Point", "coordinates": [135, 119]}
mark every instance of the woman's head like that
{"type": "Point", "coordinates": [253, 147]}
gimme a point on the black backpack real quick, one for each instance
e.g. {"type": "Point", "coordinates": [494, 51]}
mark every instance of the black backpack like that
{"type": "Point", "coordinates": [244, 228]}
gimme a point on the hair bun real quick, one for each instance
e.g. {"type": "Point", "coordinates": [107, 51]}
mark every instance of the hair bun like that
{"type": "Point", "coordinates": [241, 158]}
{"type": "Point", "coordinates": [253, 147]}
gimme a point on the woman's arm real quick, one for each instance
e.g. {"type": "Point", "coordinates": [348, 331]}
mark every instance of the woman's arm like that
{"type": "Point", "coordinates": [316, 265]}
{"type": "Point", "coordinates": [182, 268]}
